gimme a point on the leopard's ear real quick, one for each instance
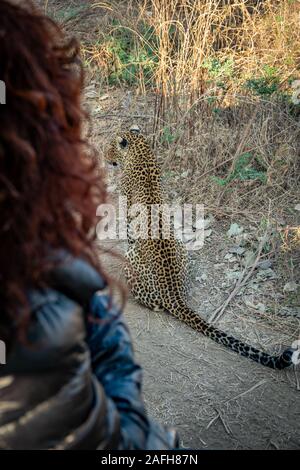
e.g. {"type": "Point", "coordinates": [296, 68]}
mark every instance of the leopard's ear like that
{"type": "Point", "coordinates": [135, 129]}
{"type": "Point", "coordinates": [122, 142]}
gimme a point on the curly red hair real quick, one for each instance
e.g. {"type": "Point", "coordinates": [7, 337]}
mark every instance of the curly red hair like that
{"type": "Point", "coordinates": [49, 186]}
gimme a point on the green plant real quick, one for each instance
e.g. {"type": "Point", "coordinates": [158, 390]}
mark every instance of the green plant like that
{"type": "Point", "coordinates": [242, 171]}
{"type": "Point", "coordinates": [266, 85]}
{"type": "Point", "coordinates": [68, 14]}
{"type": "Point", "coordinates": [168, 136]}
{"type": "Point", "coordinates": [219, 69]}
{"type": "Point", "coordinates": [132, 55]}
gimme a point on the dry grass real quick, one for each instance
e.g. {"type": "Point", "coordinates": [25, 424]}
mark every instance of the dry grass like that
{"type": "Point", "coordinates": [263, 129]}
{"type": "Point", "coordinates": [191, 60]}
{"type": "Point", "coordinates": [186, 36]}
{"type": "Point", "coordinates": [248, 34]}
{"type": "Point", "coordinates": [202, 54]}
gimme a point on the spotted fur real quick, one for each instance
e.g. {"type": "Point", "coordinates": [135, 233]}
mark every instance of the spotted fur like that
{"type": "Point", "coordinates": [157, 271]}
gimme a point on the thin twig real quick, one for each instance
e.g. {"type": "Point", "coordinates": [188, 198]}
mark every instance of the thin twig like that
{"type": "Point", "coordinates": [216, 315]}
{"type": "Point", "coordinates": [241, 147]}
{"type": "Point", "coordinates": [296, 378]}
{"type": "Point", "coordinates": [243, 139]}
{"type": "Point", "coordinates": [219, 416]}
{"type": "Point", "coordinates": [262, 382]}
{"type": "Point", "coordinates": [123, 116]}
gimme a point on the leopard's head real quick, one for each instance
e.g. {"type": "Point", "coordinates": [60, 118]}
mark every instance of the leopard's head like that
{"type": "Point", "coordinates": [130, 145]}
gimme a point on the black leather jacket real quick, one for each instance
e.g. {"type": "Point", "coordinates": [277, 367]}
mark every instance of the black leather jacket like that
{"type": "Point", "coordinates": [75, 385]}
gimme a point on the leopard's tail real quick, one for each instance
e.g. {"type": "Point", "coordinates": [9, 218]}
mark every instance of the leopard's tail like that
{"type": "Point", "coordinates": [188, 316]}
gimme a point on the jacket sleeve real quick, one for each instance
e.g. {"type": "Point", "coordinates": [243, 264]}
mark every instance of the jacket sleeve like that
{"type": "Point", "coordinates": [114, 366]}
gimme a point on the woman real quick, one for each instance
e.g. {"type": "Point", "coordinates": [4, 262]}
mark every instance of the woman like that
{"type": "Point", "coordinates": [70, 381]}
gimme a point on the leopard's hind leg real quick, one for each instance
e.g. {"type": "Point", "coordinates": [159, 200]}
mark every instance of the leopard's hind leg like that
{"type": "Point", "coordinates": [142, 285]}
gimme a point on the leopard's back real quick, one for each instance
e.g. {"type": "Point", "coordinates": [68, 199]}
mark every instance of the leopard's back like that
{"type": "Point", "coordinates": [156, 268]}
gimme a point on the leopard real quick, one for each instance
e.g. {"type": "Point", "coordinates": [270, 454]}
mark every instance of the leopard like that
{"type": "Point", "coordinates": [156, 268]}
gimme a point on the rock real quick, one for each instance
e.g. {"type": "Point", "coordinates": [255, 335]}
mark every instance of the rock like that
{"type": "Point", "coordinates": [297, 207]}
{"type": "Point", "coordinates": [290, 287]}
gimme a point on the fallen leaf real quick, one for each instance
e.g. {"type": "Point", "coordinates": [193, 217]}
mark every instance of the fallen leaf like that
{"type": "Point", "coordinates": [233, 275]}
{"type": "Point", "coordinates": [249, 258]}
{"type": "Point", "coordinates": [229, 257]}
{"type": "Point", "coordinates": [103, 97]}
{"type": "Point", "coordinates": [265, 264]}
{"type": "Point", "coordinates": [91, 94]}
{"type": "Point", "coordinates": [237, 250]}
{"type": "Point", "coordinates": [265, 274]}
{"type": "Point", "coordinates": [290, 287]}
{"type": "Point", "coordinates": [188, 236]}
{"type": "Point", "coordinates": [259, 306]}
{"type": "Point", "coordinates": [234, 230]}
{"type": "Point", "coordinates": [207, 233]}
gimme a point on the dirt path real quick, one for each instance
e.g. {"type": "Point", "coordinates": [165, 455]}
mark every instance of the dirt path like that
{"type": "Point", "coordinates": [216, 399]}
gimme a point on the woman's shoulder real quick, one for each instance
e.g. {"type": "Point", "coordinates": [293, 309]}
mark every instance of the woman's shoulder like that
{"type": "Point", "coordinates": [58, 316]}
{"type": "Point", "coordinates": [56, 327]}
{"type": "Point", "coordinates": [76, 278]}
